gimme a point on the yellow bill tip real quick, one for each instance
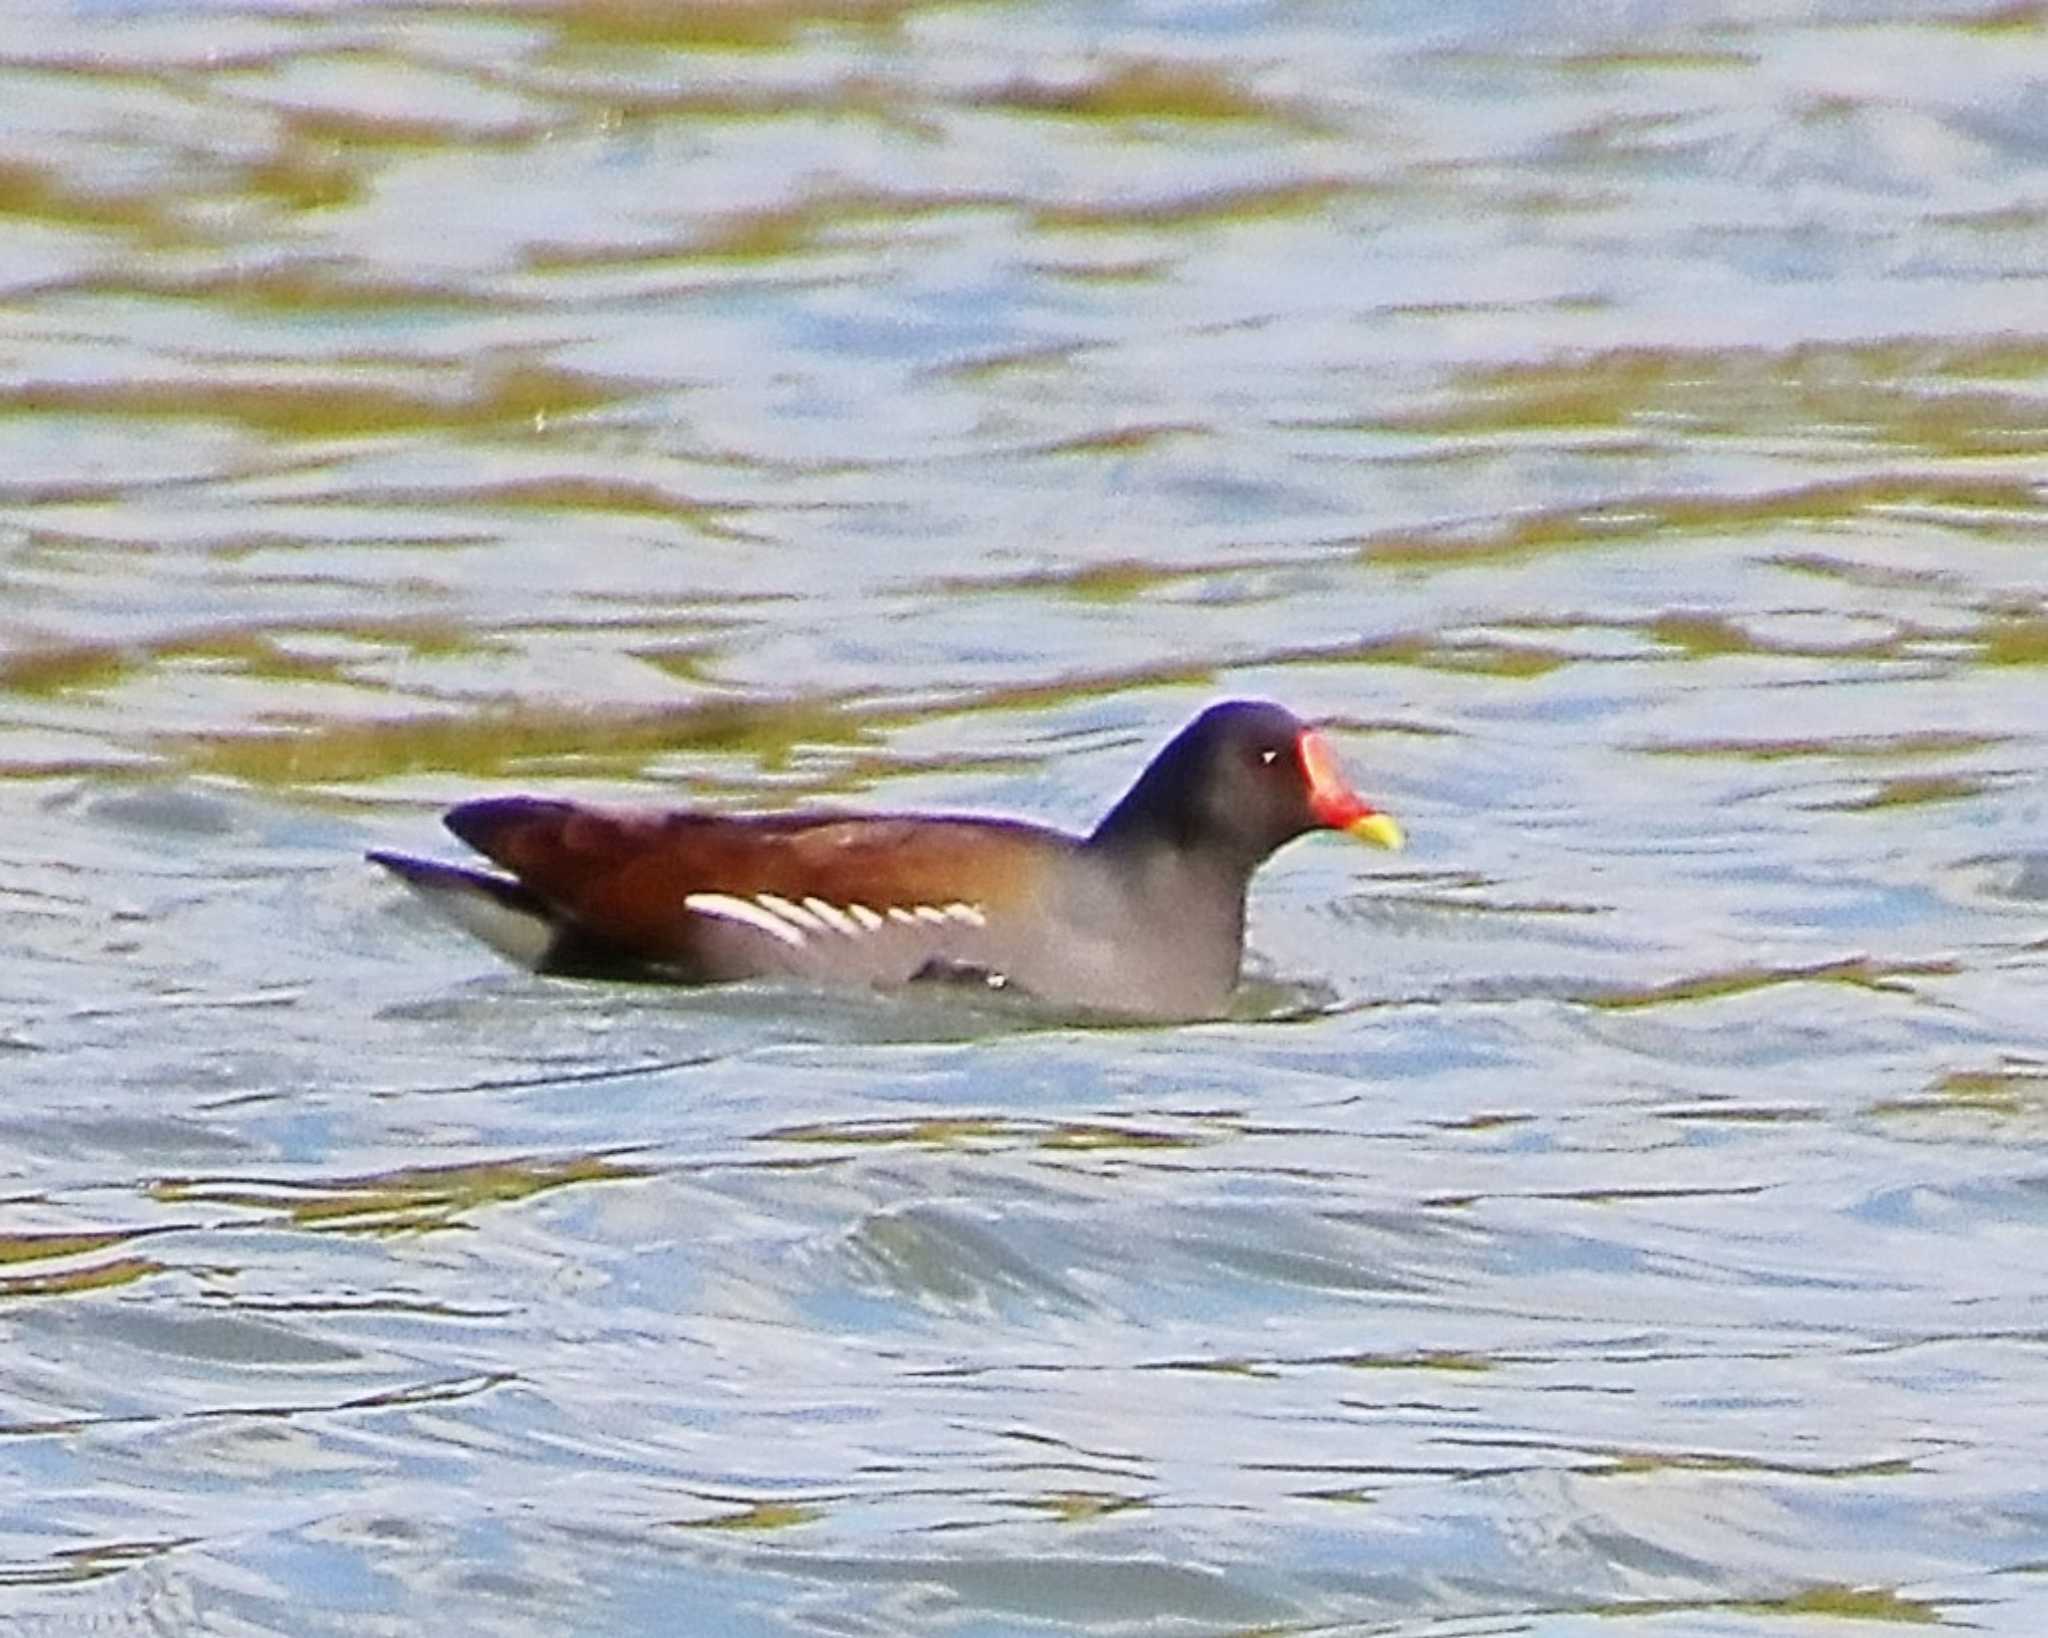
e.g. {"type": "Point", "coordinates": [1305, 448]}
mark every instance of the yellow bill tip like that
{"type": "Point", "coordinates": [1378, 829]}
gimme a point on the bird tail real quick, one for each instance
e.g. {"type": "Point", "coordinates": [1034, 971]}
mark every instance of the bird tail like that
{"type": "Point", "coordinates": [496, 909]}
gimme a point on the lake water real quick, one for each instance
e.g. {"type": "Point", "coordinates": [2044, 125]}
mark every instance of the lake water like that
{"type": "Point", "coordinates": [1626, 424]}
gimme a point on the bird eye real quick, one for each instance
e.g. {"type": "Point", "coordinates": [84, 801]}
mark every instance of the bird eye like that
{"type": "Point", "coordinates": [1268, 757]}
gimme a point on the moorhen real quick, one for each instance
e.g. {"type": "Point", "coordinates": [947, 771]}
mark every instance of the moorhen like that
{"type": "Point", "coordinates": [1144, 917]}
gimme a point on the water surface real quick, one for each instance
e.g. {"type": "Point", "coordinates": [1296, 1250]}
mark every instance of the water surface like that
{"type": "Point", "coordinates": [1625, 425]}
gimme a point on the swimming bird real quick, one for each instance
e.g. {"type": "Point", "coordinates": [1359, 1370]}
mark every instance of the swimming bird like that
{"type": "Point", "coordinates": [1142, 917]}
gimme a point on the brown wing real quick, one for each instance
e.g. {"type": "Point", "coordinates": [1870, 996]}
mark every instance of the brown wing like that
{"type": "Point", "coordinates": [623, 876]}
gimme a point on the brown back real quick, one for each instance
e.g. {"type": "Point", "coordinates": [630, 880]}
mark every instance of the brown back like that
{"type": "Point", "coordinates": [626, 874]}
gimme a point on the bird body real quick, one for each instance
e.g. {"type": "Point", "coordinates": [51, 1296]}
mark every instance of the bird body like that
{"type": "Point", "coordinates": [1143, 917]}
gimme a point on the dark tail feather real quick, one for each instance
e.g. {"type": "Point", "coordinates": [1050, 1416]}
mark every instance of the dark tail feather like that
{"type": "Point", "coordinates": [495, 825]}
{"type": "Point", "coordinates": [495, 908]}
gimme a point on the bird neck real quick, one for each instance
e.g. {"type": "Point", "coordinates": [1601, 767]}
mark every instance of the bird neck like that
{"type": "Point", "coordinates": [1157, 846]}
{"type": "Point", "coordinates": [1156, 812]}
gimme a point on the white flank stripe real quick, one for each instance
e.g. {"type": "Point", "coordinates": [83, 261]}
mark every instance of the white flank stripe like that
{"type": "Point", "coordinates": [932, 915]}
{"type": "Point", "coordinates": [789, 912]}
{"type": "Point", "coordinates": [781, 919]}
{"type": "Point", "coordinates": [747, 913]}
{"type": "Point", "coordinates": [832, 916]}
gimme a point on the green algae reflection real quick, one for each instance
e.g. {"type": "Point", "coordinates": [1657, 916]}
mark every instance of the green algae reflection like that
{"type": "Point", "coordinates": [408, 1200]}
{"type": "Point", "coordinates": [1858, 972]}
{"type": "Point", "coordinates": [1828, 1600]}
{"type": "Point", "coordinates": [20, 1253]}
{"type": "Point", "coordinates": [971, 1131]}
{"type": "Point", "coordinates": [493, 743]}
{"type": "Point", "coordinates": [757, 1516]}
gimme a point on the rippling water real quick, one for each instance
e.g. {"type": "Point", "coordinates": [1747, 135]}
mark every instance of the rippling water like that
{"type": "Point", "coordinates": [1626, 423]}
